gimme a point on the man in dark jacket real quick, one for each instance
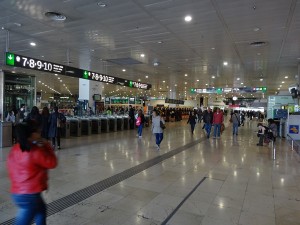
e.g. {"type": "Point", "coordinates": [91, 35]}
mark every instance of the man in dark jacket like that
{"type": "Point", "coordinates": [131, 117]}
{"type": "Point", "coordinates": [56, 121]}
{"type": "Point", "coordinates": [208, 119]}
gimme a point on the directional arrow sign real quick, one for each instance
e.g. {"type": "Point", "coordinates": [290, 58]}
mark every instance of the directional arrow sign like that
{"type": "Point", "coordinates": [85, 74]}
{"type": "Point", "coordinates": [10, 59]}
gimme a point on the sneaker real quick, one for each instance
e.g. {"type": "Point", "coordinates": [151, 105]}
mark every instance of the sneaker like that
{"type": "Point", "coordinates": [58, 147]}
{"type": "Point", "coordinates": [214, 137]}
{"type": "Point", "coordinates": [140, 136]}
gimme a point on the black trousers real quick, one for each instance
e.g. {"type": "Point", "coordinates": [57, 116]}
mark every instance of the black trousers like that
{"type": "Point", "coordinates": [57, 138]}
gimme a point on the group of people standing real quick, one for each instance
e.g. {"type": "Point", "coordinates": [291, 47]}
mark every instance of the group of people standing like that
{"type": "Point", "coordinates": [50, 124]}
{"type": "Point", "coordinates": [210, 119]}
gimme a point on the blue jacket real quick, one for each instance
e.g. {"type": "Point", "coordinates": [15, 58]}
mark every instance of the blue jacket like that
{"type": "Point", "coordinates": [53, 123]}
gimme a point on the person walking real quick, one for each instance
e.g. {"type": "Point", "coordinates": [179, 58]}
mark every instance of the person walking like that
{"type": "Point", "coordinates": [192, 120]}
{"type": "Point", "coordinates": [131, 117]}
{"type": "Point", "coordinates": [45, 122]}
{"type": "Point", "coordinates": [217, 121]}
{"type": "Point", "coordinates": [208, 119]}
{"type": "Point", "coordinates": [140, 121]}
{"type": "Point", "coordinates": [56, 121]}
{"type": "Point", "coordinates": [235, 119]}
{"type": "Point", "coordinates": [28, 163]}
{"type": "Point", "coordinates": [157, 129]}
{"type": "Point", "coordinates": [261, 134]}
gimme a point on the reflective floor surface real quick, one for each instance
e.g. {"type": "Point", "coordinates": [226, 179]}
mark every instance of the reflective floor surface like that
{"type": "Point", "coordinates": [241, 182]}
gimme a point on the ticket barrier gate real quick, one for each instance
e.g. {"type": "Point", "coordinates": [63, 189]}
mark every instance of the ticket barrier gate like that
{"type": "Point", "coordinates": [5, 134]}
{"type": "Point", "coordinates": [104, 125]}
{"type": "Point", "coordinates": [86, 127]}
{"type": "Point", "coordinates": [75, 127]}
{"type": "Point", "coordinates": [96, 126]}
{"type": "Point", "coordinates": [126, 123]}
{"type": "Point", "coordinates": [112, 124]}
{"type": "Point", "coordinates": [66, 130]}
{"type": "Point", "coordinates": [120, 123]}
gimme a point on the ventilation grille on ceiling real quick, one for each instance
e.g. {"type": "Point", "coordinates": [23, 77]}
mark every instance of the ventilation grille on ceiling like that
{"type": "Point", "coordinates": [124, 61]}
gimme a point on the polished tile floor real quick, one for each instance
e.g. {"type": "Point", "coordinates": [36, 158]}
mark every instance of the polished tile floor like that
{"type": "Point", "coordinates": [242, 183]}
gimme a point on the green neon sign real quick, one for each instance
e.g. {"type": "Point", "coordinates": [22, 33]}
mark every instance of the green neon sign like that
{"type": "Point", "coordinates": [85, 74]}
{"type": "Point", "coordinates": [130, 84]}
{"type": "Point", "coordinates": [10, 59]}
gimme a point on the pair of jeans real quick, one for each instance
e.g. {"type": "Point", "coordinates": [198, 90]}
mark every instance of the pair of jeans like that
{"type": "Point", "coordinates": [261, 139]}
{"type": "Point", "coordinates": [140, 130]}
{"type": "Point", "coordinates": [193, 127]}
{"type": "Point", "coordinates": [208, 129]}
{"type": "Point", "coordinates": [30, 206]}
{"type": "Point", "coordinates": [159, 137]}
{"type": "Point", "coordinates": [235, 127]}
{"type": "Point", "coordinates": [217, 130]}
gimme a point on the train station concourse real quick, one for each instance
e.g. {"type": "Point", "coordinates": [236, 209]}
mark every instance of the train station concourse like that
{"type": "Point", "coordinates": [149, 112]}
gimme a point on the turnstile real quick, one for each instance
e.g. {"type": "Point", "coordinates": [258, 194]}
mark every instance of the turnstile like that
{"type": "Point", "coordinates": [104, 125]}
{"type": "Point", "coordinates": [96, 126]}
{"type": "Point", "coordinates": [66, 130]}
{"type": "Point", "coordinates": [75, 127]}
{"type": "Point", "coordinates": [112, 124]}
{"type": "Point", "coordinates": [5, 134]}
{"type": "Point", "coordinates": [120, 123]}
{"type": "Point", "coordinates": [86, 127]}
{"type": "Point", "coordinates": [126, 123]}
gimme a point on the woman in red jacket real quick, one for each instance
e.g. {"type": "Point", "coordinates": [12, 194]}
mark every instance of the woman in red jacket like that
{"type": "Point", "coordinates": [28, 163]}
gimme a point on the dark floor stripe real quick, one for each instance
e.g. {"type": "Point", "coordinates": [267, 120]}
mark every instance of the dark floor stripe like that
{"type": "Point", "coordinates": [78, 196]}
{"type": "Point", "coordinates": [182, 202]}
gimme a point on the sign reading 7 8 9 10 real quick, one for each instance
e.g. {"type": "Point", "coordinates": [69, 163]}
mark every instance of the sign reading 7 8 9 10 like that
{"type": "Point", "coordinates": [16, 60]}
{"type": "Point", "coordinates": [99, 77]}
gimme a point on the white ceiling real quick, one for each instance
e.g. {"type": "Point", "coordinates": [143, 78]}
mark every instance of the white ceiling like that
{"type": "Point", "coordinates": [221, 30]}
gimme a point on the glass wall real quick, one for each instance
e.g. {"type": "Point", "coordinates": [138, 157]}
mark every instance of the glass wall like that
{"type": "Point", "coordinates": [18, 89]}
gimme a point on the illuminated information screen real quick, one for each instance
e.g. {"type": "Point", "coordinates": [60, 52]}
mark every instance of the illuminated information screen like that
{"type": "Point", "coordinates": [17, 60]}
{"type": "Point", "coordinates": [228, 90]}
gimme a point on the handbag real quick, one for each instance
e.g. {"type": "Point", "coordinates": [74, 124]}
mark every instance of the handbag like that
{"type": "Point", "coordinates": [162, 125]}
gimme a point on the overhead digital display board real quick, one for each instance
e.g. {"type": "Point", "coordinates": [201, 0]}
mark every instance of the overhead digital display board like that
{"type": "Point", "coordinates": [17, 60]}
{"type": "Point", "coordinates": [174, 101]}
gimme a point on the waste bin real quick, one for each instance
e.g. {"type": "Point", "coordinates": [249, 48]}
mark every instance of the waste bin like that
{"type": "Point", "coordinates": [75, 127]}
{"type": "Point", "coordinates": [104, 125]}
{"type": "Point", "coordinates": [5, 134]}
{"type": "Point", "coordinates": [96, 126]}
{"type": "Point", "coordinates": [66, 130]}
{"type": "Point", "coordinates": [120, 123]}
{"type": "Point", "coordinates": [112, 124]}
{"type": "Point", "coordinates": [86, 126]}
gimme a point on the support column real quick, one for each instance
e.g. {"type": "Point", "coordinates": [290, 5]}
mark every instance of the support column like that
{"type": "Point", "coordinates": [88, 88]}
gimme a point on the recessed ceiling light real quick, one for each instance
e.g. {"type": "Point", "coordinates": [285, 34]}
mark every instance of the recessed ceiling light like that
{"type": "Point", "coordinates": [55, 74]}
{"type": "Point", "coordinates": [286, 77]}
{"type": "Point", "coordinates": [213, 48]}
{"type": "Point", "coordinates": [242, 83]}
{"type": "Point", "coordinates": [139, 79]}
{"type": "Point", "coordinates": [188, 18]}
{"type": "Point", "coordinates": [101, 4]}
{"type": "Point", "coordinates": [164, 81]}
{"type": "Point", "coordinates": [160, 42]}
{"type": "Point", "coordinates": [142, 55]}
{"type": "Point", "coordinates": [256, 29]}
{"type": "Point", "coordinates": [278, 88]}
{"type": "Point", "coordinates": [146, 76]}
{"type": "Point", "coordinates": [213, 77]}
{"type": "Point", "coordinates": [175, 85]}
{"type": "Point", "coordinates": [238, 78]}
{"type": "Point", "coordinates": [206, 84]}
{"type": "Point", "coordinates": [185, 75]}
{"type": "Point", "coordinates": [197, 80]}
{"type": "Point", "coordinates": [280, 85]}
{"type": "Point", "coordinates": [261, 79]}
{"type": "Point", "coordinates": [283, 82]}
{"type": "Point", "coordinates": [225, 63]}
{"type": "Point", "coordinates": [123, 70]}
{"type": "Point", "coordinates": [32, 43]}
